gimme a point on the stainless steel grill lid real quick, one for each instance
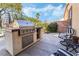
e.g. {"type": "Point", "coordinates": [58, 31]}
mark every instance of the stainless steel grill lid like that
{"type": "Point", "coordinates": [23, 23]}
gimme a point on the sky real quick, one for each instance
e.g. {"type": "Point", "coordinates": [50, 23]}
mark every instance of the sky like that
{"type": "Point", "coordinates": [48, 11]}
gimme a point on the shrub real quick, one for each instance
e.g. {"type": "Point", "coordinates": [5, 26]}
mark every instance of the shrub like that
{"type": "Point", "coordinates": [52, 27]}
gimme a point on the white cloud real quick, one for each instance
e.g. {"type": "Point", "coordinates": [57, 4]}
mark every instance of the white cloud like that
{"type": "Point", "coordinates": [62, 19]}
{"type": "Point", "coordinates": [59, 7]}
{"type": "Point", "coordinates": [59, 11]}
{"type": "Point", "coordinates": [49, 7]}
{"type": "Point", "coordinates": [55, 11]}
{"type": "Point", "coordinates": [29, 11]}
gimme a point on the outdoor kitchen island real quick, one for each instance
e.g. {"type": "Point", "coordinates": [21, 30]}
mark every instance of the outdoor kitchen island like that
{"type": "Point", "coordinates": [21, 36]}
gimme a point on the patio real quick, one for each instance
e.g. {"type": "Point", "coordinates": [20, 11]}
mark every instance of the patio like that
{"type": "Point", "coordinates": [48, 44]}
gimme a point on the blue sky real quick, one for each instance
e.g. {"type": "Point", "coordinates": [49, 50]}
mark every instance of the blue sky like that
{"type": "Point", "coordinates": [48, 11]}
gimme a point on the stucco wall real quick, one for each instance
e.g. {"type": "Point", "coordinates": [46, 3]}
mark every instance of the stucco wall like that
{"type": "Point", "coordinates": [75, 18]}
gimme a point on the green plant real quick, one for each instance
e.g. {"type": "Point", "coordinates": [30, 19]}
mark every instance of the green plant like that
{"type": "Point", "coordinates": [10, 8]}
{"type": "Point", "coordinates": [37, 15]}
{"type": "Point", "coordinates": [52, 27]}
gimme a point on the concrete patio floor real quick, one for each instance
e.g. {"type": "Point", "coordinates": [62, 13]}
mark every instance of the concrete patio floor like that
{"type": "Point", "coordinates": [48, 44]}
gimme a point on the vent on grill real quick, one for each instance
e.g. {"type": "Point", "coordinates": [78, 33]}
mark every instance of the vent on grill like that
{"type": "Point", "coordinates": [26, 40]}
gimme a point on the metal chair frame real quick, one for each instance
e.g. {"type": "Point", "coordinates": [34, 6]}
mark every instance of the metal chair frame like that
{"type": "Point", "coordinates": [68, 40]}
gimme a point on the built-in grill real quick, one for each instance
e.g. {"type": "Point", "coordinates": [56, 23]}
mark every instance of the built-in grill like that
{"type": "Point", "coordinates": [26, 32]}
{"type": "Point", "coordinates": [22, 35]}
